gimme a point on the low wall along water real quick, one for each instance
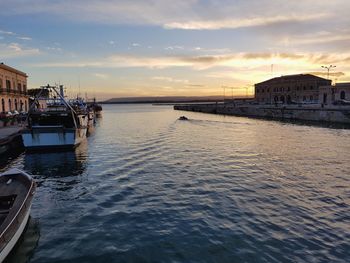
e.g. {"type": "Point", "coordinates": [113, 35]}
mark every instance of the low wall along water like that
{"type": "Point", "coordinates": [338, 114]}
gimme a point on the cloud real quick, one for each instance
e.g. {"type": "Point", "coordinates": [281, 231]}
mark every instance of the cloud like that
{"type": "Point", "coordinates": [319, 38]}
{"type": "Point", "coordinates": [7, 32]}
{"type": "Point", "coordinates": [174, 48]}
{"type": "Point", "coordinates": [54, 49]}
{"type": "Point", "coordinates": [101, 75]}
{"type": "Point", "coordinates": [169, 79]}
{"type": "Point", "coordinates": [16, 50]}
{"type": "Point", "coordinates": [241, 23]}
{"type": "Point", "coordinates": [136, 44]}
{"type": "Point", "coordinates": [24, 38]}
{"type": "Point", "coordinates": [248, 62]}
{"type": "Point", "coordinates": [195, 85]}
{"type": "Point", "coordinates": [325, 74]}
{"type": "Point", "coordinates": [184, 14]}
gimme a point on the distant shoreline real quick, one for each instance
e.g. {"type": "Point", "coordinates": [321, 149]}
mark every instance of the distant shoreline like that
{"type": "Point", "coordinates": [168, 100]}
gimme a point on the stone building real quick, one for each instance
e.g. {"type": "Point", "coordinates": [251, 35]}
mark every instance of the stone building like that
{"type": "Point", "coordinates": [333, 94]}
{"type": "Point", "coordinates": [301, 88]}
{"type": "Point", "coordinates": [13, 89]}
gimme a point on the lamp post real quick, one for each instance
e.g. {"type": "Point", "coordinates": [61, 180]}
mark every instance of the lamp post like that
{"type": "Point", "coordinates": [328, 68]}
{"type": "Point", "coordinates": [223, 87]}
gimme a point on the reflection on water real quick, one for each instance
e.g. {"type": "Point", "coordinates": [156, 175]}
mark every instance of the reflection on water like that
{"type": "Point", "coordinates": [6, 160]}
{"type": "Point", "coordinates": [57, 164]}
{"type": "Point", "coordinates": [148, 188]}
{"type": "Point", "coordinates": [26, 245]}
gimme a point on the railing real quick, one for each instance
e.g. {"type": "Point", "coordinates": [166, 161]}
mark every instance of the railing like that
{"type": "Point", "coordinates": [12, 91]}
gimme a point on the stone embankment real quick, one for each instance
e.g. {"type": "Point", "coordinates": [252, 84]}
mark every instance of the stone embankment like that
{"type": "Point", "coordinates": [10, 139]}
{"type": "Point", "coordinates": [311, 112]}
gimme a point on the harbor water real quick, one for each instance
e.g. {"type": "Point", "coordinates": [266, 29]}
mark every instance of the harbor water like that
{"type": "Point", "coordinates": [146, 187]}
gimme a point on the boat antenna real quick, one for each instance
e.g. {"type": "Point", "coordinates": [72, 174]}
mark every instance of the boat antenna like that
{"type": "Point", "coordinates": [79, 85]}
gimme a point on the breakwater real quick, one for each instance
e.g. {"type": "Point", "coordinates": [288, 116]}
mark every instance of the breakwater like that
{"type": "Point", "coordinates": [337, 114]}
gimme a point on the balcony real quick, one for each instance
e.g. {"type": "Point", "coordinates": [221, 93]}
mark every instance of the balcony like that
{"type": "Point", "coordinates": [12, 92]}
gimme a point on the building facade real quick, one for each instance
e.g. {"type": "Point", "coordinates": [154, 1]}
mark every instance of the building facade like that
{"type": "Point", "coordinates": [301, 88]}
{"type": "Point", "coordinates": [13, 90]}
{"type": "Point", "coordinates": [335, 94]}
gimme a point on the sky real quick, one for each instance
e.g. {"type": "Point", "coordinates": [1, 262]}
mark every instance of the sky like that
{"type": "Point", "coordinates": [123, 48]}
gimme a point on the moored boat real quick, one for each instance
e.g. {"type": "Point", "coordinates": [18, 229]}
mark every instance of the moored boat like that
{"type": "Point", "coordinates": [96, 108]}
{"type": "Point", "coordinates": [59, 125]}
{"type": "Point", "coordinates": [16, 194]}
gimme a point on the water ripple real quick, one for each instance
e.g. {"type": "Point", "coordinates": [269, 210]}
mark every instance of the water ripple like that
{"type": "Point", "coordinates": [146, 187]}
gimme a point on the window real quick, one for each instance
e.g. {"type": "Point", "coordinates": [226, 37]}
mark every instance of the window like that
{"type": "Point", "coordinates": [0, 83]}
{"type": "Point", "coordinates": [8, 85]}
{"type": "Point", "coordinates": [19, 87]}
{"type": "Point", "coordinates": [311, 87]}
{"type": "Point", "coordinates": [3, 105]}
{"type": "Point", "coordinates": [342, 95]}
{"type": "Point", "coordinates": [16, 104]}
{"type": "Point", "coordinates": [21, 105]}
{"type": "Point", "coordinates": [262, 90]}
{"type": "Point", "coordinates": [24, 88]}
{"type": "Point", "coordinates": [297, 87]}
{"type": "Point", "coordinates": [10, 105]}
{"type": "Point", "coordinates": [304, 88]}
{"type": "Point", "coordinates": [288, 88]}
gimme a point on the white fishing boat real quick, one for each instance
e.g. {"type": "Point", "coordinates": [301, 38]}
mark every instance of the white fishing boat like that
{"type": "Point", "coordinates": [16, 194]}
{"type": "Point", "coordinates": [59, 125]}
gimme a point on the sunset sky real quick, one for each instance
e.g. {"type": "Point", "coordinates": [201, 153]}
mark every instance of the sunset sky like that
{"type": "Point", "coordinates": [172, 47]}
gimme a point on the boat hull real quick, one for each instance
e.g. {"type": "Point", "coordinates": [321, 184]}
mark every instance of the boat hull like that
{"type": "Point", "coordinates": [11, 244]}
{"type": "Point", "coordinates": [19, 187]}
{"type": "Point", "coordinates": [52, 138]}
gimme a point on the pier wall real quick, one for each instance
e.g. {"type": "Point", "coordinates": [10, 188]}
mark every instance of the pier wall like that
{"type": "Point", "coordinates": [10, 139]}
{"type": "Point", "coordinates": [337, 114]}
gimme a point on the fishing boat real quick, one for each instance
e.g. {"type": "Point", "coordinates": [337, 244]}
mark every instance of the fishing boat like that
{"type": "Point", "coordinates": [16, 194]}
{"type": "Point", "coordinates": [96, 108]}
{"type": "Point", "coordinates": [61, 124]}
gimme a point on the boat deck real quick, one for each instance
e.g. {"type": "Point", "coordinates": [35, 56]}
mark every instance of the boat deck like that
{"type": "Point", "coordinates": [11, 197]}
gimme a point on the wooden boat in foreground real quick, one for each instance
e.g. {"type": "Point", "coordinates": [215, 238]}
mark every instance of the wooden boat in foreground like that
{"type": "Point", "coordinates": [16, 194]}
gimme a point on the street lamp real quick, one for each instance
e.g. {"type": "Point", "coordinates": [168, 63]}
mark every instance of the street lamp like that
{"type": "Point", "coordinates": [224, 87]}
{"type": "Point", "coordinates": [328, 68]}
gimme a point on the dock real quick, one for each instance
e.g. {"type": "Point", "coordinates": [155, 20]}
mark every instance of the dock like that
{"type": "Point", "coordinates": [312, 112]}
{"type": "Point", "coordinates": [10, 139]}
